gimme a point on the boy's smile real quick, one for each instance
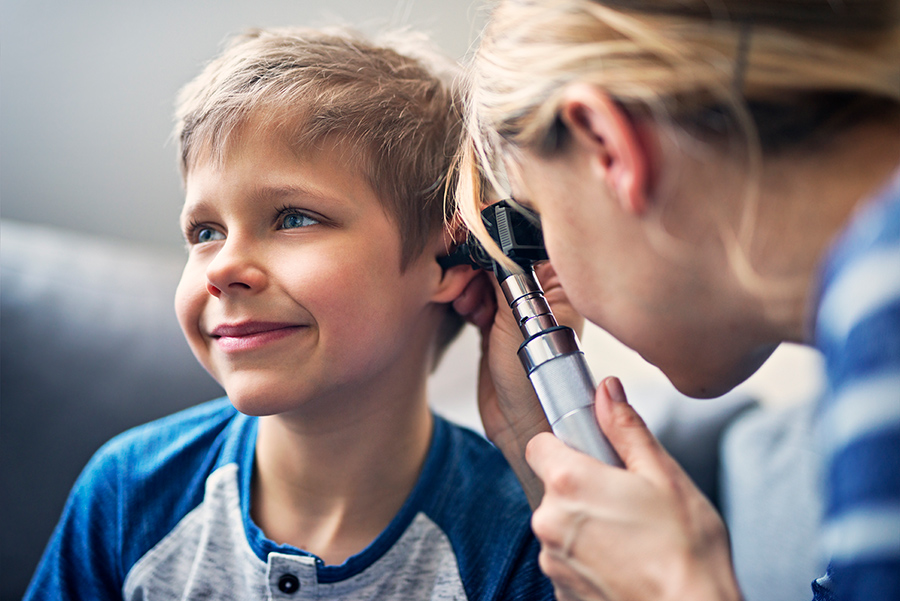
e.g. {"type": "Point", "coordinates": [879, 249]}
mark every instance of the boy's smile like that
{"type": "Point", "coordinates": [293, 290]}
{"type": "Point", "coordinates": [250, 335]}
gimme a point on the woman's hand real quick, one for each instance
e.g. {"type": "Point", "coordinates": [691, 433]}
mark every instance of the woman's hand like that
{"type": "Point", "coordinates": [509, 408]}
{"type": "Point", "coordinates": [612, 534]}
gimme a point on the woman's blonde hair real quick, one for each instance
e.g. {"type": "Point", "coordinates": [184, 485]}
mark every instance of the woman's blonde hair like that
{"type": "Point", "coordinates": [774, 70]}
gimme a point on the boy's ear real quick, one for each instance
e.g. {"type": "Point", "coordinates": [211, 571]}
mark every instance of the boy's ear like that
{"type": "Point", "coordinates": [601, 128]}
{"type": "Point", "coordinates": [453, 279]}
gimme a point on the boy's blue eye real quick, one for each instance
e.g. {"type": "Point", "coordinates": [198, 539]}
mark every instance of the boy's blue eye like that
{"type": "Point", "coordinates": [295, 220]}
{"type": "Point", "coordinates": [207, 234]}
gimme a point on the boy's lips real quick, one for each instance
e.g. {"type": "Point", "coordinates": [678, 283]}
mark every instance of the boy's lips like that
{"type": "Point", "coordinates": [250, 334]}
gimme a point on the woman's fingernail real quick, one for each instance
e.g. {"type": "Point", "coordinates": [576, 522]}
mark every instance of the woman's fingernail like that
{"type": "Point", "coordinates": [614, 389]}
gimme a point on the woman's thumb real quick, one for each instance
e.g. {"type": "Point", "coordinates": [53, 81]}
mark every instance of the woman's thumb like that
{"type": "Point", "coordinates": [626, 430]}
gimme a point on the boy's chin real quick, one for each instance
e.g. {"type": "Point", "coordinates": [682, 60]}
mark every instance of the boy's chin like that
{"type": "Point", "coordinates": [254, 409]}
{"type": "Point", "coordinates": [257, 401]}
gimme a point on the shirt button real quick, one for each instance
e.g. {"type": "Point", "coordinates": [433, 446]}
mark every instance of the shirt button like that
{"type": "Point", "coordinates": [288, 584]}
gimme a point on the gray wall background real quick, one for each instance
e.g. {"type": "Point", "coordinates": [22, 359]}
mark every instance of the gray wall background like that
{"type": "Point", "coordinates": [87, 88]}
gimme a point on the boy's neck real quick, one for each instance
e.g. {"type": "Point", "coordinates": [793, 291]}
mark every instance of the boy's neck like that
{"type": "Point", "coordinates": [331, 480]}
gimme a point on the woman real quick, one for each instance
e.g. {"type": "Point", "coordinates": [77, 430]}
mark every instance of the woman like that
{"type": "Point", "coordinates": [713, 178]}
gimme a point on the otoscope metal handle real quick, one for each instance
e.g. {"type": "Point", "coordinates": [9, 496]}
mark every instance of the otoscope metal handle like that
{"type": "Point", "coordinates": [565, 387]}
{"type": "Point", "coordinates": [556, 367]}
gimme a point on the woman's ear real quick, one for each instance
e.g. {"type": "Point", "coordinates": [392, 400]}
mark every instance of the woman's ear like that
{"type": "Point", "coordinates": [600, 127]}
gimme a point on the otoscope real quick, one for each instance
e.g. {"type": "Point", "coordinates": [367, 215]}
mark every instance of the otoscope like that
{"type": "Point", "coordinates": [550, 353]}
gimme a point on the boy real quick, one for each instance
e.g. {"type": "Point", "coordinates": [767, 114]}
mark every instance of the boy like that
{"type": "Point", "coordinates": [314, 167]}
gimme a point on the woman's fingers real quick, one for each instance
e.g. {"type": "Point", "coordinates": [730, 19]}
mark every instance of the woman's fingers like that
{"type": "Point", "coordinates": [565, 475]}
{"type": "Point", "coordinates": [581, 480]}
{"type": "Point", "coordinates": [562, 308]}
{"type": "Point", "coordinates": [628, 434]}
{"type": "Point", "coordinates": [605, 530]}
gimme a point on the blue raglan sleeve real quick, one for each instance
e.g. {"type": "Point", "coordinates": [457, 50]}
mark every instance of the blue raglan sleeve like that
{"type": "Point", "coordinates": [479, 504]}
{"type": "Point", "coordinates": [527, 582]}
{"type": "Point", "coordinates": [81, 560]}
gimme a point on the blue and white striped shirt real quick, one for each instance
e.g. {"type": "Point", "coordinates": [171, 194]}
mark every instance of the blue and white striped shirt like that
{"type": "Point", "coordinates": [857, 329]}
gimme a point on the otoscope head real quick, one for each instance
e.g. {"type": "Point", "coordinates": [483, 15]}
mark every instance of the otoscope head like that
{"type": "Point", "coordinates": [518, 234]}
{"type": "Point", "coordinates": [516, 231]}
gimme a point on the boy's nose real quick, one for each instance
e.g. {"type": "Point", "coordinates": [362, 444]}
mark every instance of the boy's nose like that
{"type": "Point", "coordinates": [234, 270]}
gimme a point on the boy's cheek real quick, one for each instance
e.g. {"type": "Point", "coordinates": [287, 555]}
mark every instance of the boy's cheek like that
{"type": "Point", "coordinates": [188, 306]}
{"type": "Point", "coordinates": [182, 305]}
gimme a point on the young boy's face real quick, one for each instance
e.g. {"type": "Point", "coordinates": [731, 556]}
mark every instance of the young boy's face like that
{"type": "Point", "coordinates": [292, 290]}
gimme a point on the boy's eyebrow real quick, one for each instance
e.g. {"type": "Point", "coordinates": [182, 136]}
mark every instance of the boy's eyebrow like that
{"type": "Point", "coordinates": [274, 192]}
{"type": "Point", "coordinates": [265, 193]}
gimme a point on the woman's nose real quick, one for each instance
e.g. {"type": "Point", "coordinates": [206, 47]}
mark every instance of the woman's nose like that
{"type": "Point", "coordinates": [235, 270]}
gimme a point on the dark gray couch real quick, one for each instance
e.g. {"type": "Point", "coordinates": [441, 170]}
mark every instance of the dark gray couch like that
{"type": "Point", "coordinates": [89, 346]}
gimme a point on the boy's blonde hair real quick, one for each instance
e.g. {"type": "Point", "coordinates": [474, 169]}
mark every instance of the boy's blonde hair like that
{"type": "Point", "coordinates": [391, 101]}
{"type": "Point", "coordinates": [771, 71]}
